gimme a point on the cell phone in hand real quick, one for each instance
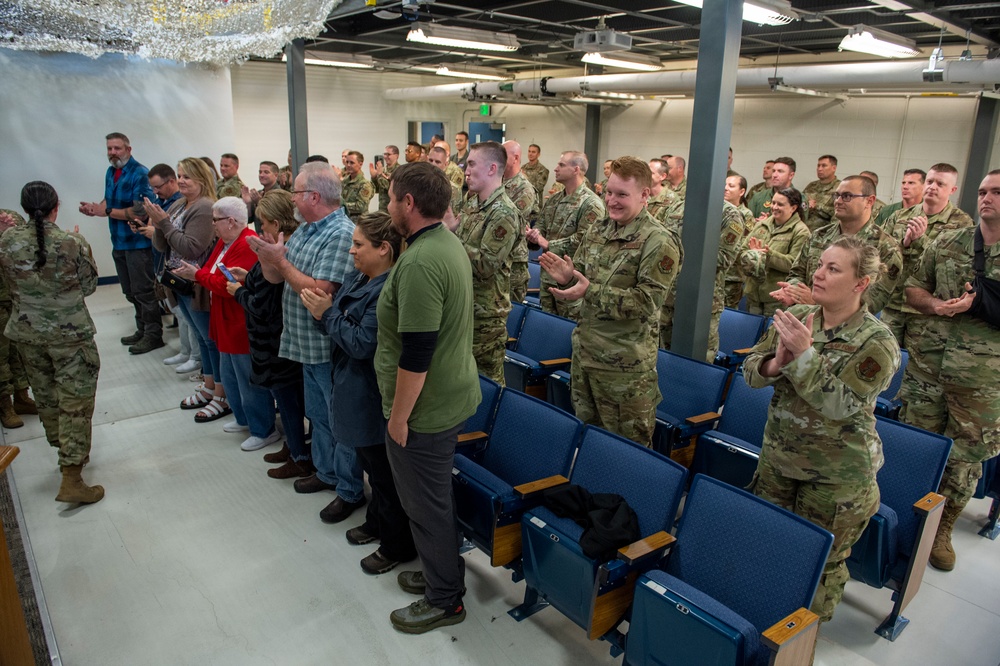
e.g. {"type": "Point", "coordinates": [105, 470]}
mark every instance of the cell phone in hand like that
{"type": "Point", "coordinates": [225, 272]}
{"type": "Point", "coordinates": [379, 159]}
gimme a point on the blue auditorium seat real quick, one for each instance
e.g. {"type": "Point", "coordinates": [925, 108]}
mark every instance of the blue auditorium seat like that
{"type": "Point", "coordinates": [477, 428]}
{"type": "Point", "coordinates": [888, 403]}
{"type": "Point", "coordinates": [738, 332]}
{"type": "Point", "coordinates": [691, 396]}
{"type": "Point", "coordinates": [544, 345]}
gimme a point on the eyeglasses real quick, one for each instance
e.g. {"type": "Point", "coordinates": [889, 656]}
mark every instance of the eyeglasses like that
{"type": "Point", "coordinates": [301, 191]}
{"type": "Point", "coordinates": [848, 197]}
{"type": "Point", "coordinates": [220, 219]}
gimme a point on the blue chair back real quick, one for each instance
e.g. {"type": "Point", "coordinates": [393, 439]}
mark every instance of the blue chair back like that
{"type": "Point", "coordinates": [891, 393]}
{"type": "Point", "coordinates": [650, 482]}
{"type": "Point", "coordinates": [515, 319]}
{"type": "Point", "coordinates": [738, 330]}
{"type": "Point", "coordinates": [534, 275]}
{"type": "Point", "coordinates": [744, 413]}
{"type": "Point", "coordinates": [752, 556]}
{"type": "Point", "coordinates": [483, 418]}
{"type": "Point", "coordinates": [688, 387]}
{"type": "Point", "coordinates": [545, 336]}
{"type": "Point", "coordinates": [530, 440]}
{"type": "Point", "coordinates": [914, 464]}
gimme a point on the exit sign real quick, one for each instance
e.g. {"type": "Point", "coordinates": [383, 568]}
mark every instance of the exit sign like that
{"type": "Point", "coordinates": [484, 109]}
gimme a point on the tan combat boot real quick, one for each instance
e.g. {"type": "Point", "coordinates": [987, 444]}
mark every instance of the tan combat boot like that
{"type": "Point", "coordinates": [23, 404]}
{"type": "Point", "coordinates": [74, 490]}
{"type": "Point", "coordinates": [8, 417]}
{"type": "Point", "coordinates": [942, 554]}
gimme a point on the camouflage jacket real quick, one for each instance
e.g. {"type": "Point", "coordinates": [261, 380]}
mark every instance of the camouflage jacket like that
{"type": "Point", "coordinates": [357, 192]}
{"type": "Point", "coordinates": [680, 191]}
{"type": "Point", "coordinates": [229, 187]}
{"type": "Point", "coordinates": [752, 192]}
{"type": "Point", "coordinates": [889, 251]}
{"type": "Point", "coordinates": [820, 425]}
{"type": "Point", "coordinates": [822, 214]}
{"type": "Point", "coordinates": [381, 185]}
{"type": "Point", "coordinates": [455, 174]}
{"type": "Point", "coordinates": [537, 175]}
{"type": "Point", "coordinates": [734, 274]}
{"type": "Point", "coordinates": [760, 203]}
{"type": "Point", "coordinates": [659, 204]}
{"type": "Point", "coordinates": [950, 218]}
{"type": "Point", "coordinates": [960, 350]}
{"type": "Point", "coordinates": [4, 287]}
{"type": "Point", "coordinates": [763, 270]}
{"type": "Point", "coordinates": [48, 304]}
{"type": "Point", "coordinates": [488, 230]}
{"type": "Point", "coordinates": [565, 219]}
{"type": "Point", "coordinates": [522, 194]}
{"type": "Point", "coordinates": [630, 270]}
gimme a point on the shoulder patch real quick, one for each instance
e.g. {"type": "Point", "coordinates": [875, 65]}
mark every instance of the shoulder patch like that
{"type": "Point", "coordinates": [499, 233]}
{"type": "Point", "coordinates": [666, 264]}
{"type": "Point", "coordinates": [868, 369]}
{"type": "Point", "coordinates": [730, 238]}
{"type": "Point", "coordinates": [893, 272]}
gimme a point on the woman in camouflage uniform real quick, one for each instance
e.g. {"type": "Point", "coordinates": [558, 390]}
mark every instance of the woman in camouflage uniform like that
{"type": "Point", "coordinates": [828, 362]}
{"type": "Point", "coordinates": [50, 272]}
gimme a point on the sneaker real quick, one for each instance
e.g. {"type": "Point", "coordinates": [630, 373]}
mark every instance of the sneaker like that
{"type": "Point", "coordinates": [235, 426]}
{"type": "Point", "coordinates": [254, 443]}
{"type": "Point", "coordinates": [188, 365]}
{"type": "Point", "coordinates": [313, 484]}
{"type": "Point", "coordinates": [130, 340]}
{"type": "Point", "coordinates": [420, 617]}
{"type": "Point", "coordinates": [176, 359]}
{"type": "Point", "coordinates": [147, 344]}
{"type": "Point", "coordinates": [377, 563]}
{"type": "Point", "coordinates": [340, 509]}
{"type": "Point", "coordinates": [356, 536]}
{"type": "Point", "coordinates": [412, 582]}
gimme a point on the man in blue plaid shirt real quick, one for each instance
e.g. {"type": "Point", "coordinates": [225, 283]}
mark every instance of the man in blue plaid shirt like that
{"type": "Point", "coordinates": [125, 183]}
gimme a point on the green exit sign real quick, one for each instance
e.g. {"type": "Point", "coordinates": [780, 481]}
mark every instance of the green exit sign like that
{"type": "Point", "coordinates": [484, 109]}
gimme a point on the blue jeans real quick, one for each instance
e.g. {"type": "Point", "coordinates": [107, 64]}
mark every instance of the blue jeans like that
{"type": "Point", "coordinates": [251, 405]}
{"type": "Point", "coordinates": [335, 464]}
{"type": "Point", "coordinates": [209, 352]}
{"type": "Point", "coordinates": [291, 404]}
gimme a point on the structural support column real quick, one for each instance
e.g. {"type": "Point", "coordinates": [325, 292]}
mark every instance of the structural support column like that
{"type": "Point", "coordinates": [711, 129]}
{"type": "Point", "coordinates": [592, 141]}
{"type": "Point", "coordinates": [298, 123]}
{"type": "Point", "coordinates": [984, 132]}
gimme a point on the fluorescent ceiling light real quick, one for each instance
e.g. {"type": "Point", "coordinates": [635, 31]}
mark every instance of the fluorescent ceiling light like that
{"type": "Point", "coordinates": [761, 12]}
{"type": "Point", "coordinates": [864, 39]}
{"type": "Point", "coordinates": [624, 60]}
{"type": "Point", "coordinates": [337, 60]}
{"type": "Point", "coordinates": [468, 72]}
{"type": "Point", "coordinates": [462, 38]}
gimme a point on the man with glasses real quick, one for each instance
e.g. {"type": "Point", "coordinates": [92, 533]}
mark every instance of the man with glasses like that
{"type": "Point", "coordinates": [852, 203]}
{"type": "Point", "coordinates": [381, 172]}
{"type": "Point", "coordinates": [413, 151]}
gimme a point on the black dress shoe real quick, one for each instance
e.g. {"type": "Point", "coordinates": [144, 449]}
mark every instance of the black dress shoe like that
{"type": "Point", "coordinates": [339, 509]}
{"type": "Point", "coordinates": [312, 484]}
{"type": "Point", "coordinates": [131, 339]}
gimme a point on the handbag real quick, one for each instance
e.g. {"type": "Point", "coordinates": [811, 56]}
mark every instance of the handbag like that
{"type": "Point", "coordinates": [986, 304]}
{"type": "Point", "coordinates": [180, 286]}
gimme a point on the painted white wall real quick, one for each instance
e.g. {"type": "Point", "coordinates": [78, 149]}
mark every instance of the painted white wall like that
{"type": "Point", "coordinates": [57, 109]}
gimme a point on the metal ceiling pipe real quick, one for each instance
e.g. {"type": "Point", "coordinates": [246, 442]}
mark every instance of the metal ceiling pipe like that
{"type": "Point", "coordinates": [878, 76]}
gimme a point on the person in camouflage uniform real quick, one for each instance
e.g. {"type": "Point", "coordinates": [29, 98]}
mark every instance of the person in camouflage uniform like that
{"type": "Point", "coordinates": [357, 191]}
{"type": "Point", "coordinates": [565, 219]}
{"type": "Point", "coordinates": [915, 229]}
{"type": "Point", "coordinates": [661, 198]}
{"type": "Point", "coordinates": [770, 248]}
{"type": "Point", "coordinates": [782, 174]}
{"type": "Point", "coordinates": [730, 242]}
{"type": "Point", "coordinates": [522, 194]}
{"type": "Point", "coordinates": [879, 204]}
{"type": "Point", "coordinates": [13, 378]}
{"type": "Point", "coordinates": [488, 228]}
{"type": "Point", "coordinates": [622, 271]}
{"type": "Point", "coordinates": [950, 385]}
{"type": "Point", "coordinates": [676, 181]}
{"type": "Point", "coordinates": [764, 184]}
{"type": "Point", "coordinates": [536, 172]}
{"type": "Point", "coordinates": [735, 193]}
{"type": "Point", "coordinates": [818, 195]}
{"type": "Point", "coordinates": [50, 272]}
{"type": "Point", "coordinates": [853, 203]}
{"type": "Point", "coordinates": [827, 362]}
{"type": "Point", "coordinates": [381, 173]}
{"type": "Point", "coordinates": [230, 184]}
{"type": "Point", "coordinates": [455, 173]}
{"type": "Point", "coordinates": [912, 191]}
{"type": "Point", "coordinates": [438, 156]}
{"type": "Point", "coordinates": [599, 188]}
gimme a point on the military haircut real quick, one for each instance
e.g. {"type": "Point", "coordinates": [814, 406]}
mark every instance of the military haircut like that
{"type": "Point", "coordinates": [920, 172]}
{"type": "Point", "coordinates": [416, 144]}
{"type": "Point", "coordinates": [833, 160]}
{"type": "Point", "coordinates": [358, 154]}
{"type": "Point", "coordinates": [196, 169]}
{"type": "Point", "coordinates": [321, 178]}
{"type": "Point", "coordinates": [865, 257]}
{"type": "Point", "coordinates": [164, 171]}
{"type": "Point", "coordinates": [788, 161]}
{"type": "Point", "coordinates": [427, 184]}
{"type": "Point", "coordinates": [661, 166]}
{"type": "Point", "coordinates": [679, 161]}
{"type": "Point", "coordinates": [628, 167]}
{"type": "Point", "coordinates": [377, 229]}
{"type": "Point", "coordinates": [271, 165]}
{"type": "Point", "coordinates": [577, 159]}
{"type": "Point", "coordinates": [231, 156]}
{"type": "Point", "coordinates": [463, 133]}
{"type": "Point", "coordinates": [867, 184]}
{"type": "Point", "coordinates": [438, 149]}
{"type": "Point", "coordinates": [277, 206]}
{"type": "Point", "coordinates": [995, 172]}
{"type": "Point", "coordinates": [492, 152]}
{"type": "Point", "coordinates": [944, 167]}
{"type": "Point", "coordinates": [536, 147]}
{"type": "Point", "coordinates": [872, 175]}
{"type": "Point", "coordinates": [113, 135]}
{"type": "Point", "coordinates": [393, 150]}
{"type": "Point", "coordinates": [317, 158]}
{"type": "Point", "coordinates": [766, 162]}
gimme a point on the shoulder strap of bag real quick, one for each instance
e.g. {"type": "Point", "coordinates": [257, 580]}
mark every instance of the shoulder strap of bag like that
{"type": "Point", "coordinates": [979, 261]}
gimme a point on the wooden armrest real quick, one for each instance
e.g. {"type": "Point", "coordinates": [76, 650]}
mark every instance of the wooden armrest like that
{"type": "Point", "coordinates": [7, 455]}
{"type": "Point", "coordinates": [703, 418]}
{"type": "Point", "coordinates": [743, 352]}
{"type": "Point", "coordinates": [466, 437]}
{"type": "Point", "coordinates": [633, 552]}
{"type": "Point", "coordinates": [533, 487]}
{"type": "Point", "coordinates": [928, 503]}
{"type": "Point", "coordinates": [533, 291]}
{"type": "Point", "coordinates": [554, 361]}
{"type": "Point", "coordinates": [511, 339]}
{"type": "Point", "coordinates": [791, 639]}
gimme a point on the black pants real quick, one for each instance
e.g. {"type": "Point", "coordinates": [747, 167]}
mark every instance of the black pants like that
{"type": "Point", "coordinates": [422, 471]}
{"type": "Point", "coordinates": [385, 517]}
{"type": "Point", "coordinates": [135, 273]}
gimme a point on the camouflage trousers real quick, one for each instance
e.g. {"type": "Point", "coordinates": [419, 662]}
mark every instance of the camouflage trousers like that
{"type": "Point", "coordinates": [842, 509]}
{"type": "Point", "coordinates": [896, 321]}
{"type": "Point", "coordinates": [734, 293]}
{"type": "Point", "coordinates": [549, 303]}
{"type": "Point", "coordinates": [766, 309]}
{"type": "Point", "coordinates": [489, 342]}
{"type": "Point", "coordinates": [64, 381]}
{"type": "Point", "coordinates": [667, 332]}
{"type": "Point", "coordinates": [620, 402]}
{"type": "Point", "coordinates": [12, 375]}
{"type": "Point", "coordinates": [969, 415]}
{"type": "Point", "coordinates": [518, 281]}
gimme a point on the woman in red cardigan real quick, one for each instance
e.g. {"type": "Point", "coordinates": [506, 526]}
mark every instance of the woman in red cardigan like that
{"type": "Point", "coordinates": [252, 405]}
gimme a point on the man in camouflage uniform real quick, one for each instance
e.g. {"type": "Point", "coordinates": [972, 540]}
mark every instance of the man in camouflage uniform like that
{"type": "Point", "coordinates": [439, 158]}
{"type": "Point", "coordinates": [730, 241]}
{"type": "Point", "coordinates": [13, 380]}
{"type": "Point", "coordinates": [916, 228]}
{"type": "Point", "coordinates": [454, 172]}
{"type": "Point", "coordinates": [488, 228]}
{"type": "Point", "coordinates": [853, 205]}
{"type": "Point", "coordinates": [599, 188]}
{"type": "Point", "coordinates": [381, 172]}
{"type": "Point", "coordinates": [661, 198]}
{"type": "Point", "coordinates": [230, 184]}
{"type": "Point", "coordinates": [817, 196]}
{"type": "Point", "coordinates": [622, 271]}
{"type": "Point", "coordinates": [879, 204]}
{"type": "Point", "coordinates": [536, 172]}
{"type": "Point", "coordinates": [565, 218]}
{"type": "Point", "coordinates": [912, 192]}
{"type": "Point", "coordinates": [950, 385]}
{"type": "Point", "coordinates": [522, 194]}
{"type": "Point", "coordinates": [357, 190]}
{"type": "Point", "coordinates": [676, 181]}
{"type": "Point", "coordinates": [461, 150]}
{"type": "Point", "coordinates": [782, 174]}
{"type": "Point", "coordinates": [764, 184]}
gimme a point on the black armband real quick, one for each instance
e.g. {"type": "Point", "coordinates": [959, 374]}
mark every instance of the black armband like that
{"type": "Point", "coordinates": [418, 349]}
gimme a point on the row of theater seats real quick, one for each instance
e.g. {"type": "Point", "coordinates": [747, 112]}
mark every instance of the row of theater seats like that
{"type": "Point", "coordinates": [685, 595]}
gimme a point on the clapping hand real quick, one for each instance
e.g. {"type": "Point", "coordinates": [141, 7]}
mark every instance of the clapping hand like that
{"type": "Point", "coordinates": [794, 336]}
{"type": "Point", "coordinates": [155, 213]}
{"type": "Point", "coordinates": [535, 237]}
{"type": "Point", "coordinates": [6, 221]}
{"type": "Point", "coordinates": [561, 269]}
{"type": "Point", "coordinates": [755, 243]}
{"type": "Point", "coordinates": [954, 306]}
{"type": "Point", "coordinates": [269, 250]}
{"type": "Point", "coordinates": [316, 301]}
{"type": "Point", "coordinates": [915, 228]}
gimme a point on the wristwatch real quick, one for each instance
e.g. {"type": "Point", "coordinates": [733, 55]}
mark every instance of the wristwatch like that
{"type": "Point", "coordinates": [107, 211]}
